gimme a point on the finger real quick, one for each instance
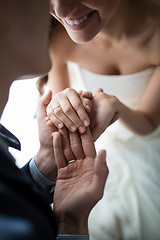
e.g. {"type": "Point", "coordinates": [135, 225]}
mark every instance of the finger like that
{"type": "Point", "coordinates": [80, 92]}
{"type": "Point", "coordinates": [88, 144]}
{"type": "Point", "coordinates": [51, 115]}
{"type": "Point", "coordinates": [58, 150]}
{"type": "Point", "coordinates": [49, 122]}
{"type": "Point", "coordinates": [101, 174]}
{"type": "Point", "coordinates": [87, 94]}
{"type": "Point", "coordinates": [64, 112]}
{"type": "Point", "coordinates": [72, 120]}
{"type": "Point", "coordinates": [76, 145]}
{"type": "Point", "coordinates": [78, 106]}
{"type": "Point", "coordinates": [65, 107]}
{"type": "Point", "coordinates": [45, 100]}
{"type": "Point", "coordinates": [67, 150]}
{"type": "Point", "coordinates": [55, 112]}
{"type": "Point", "coordinates": [87, 103]}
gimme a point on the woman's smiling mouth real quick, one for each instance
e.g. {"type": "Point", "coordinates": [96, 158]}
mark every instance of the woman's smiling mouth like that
{"type": "Point", "coordinates": [78, 23]}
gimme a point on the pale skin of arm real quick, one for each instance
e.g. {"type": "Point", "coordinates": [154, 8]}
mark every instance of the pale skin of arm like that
{"type": "Point", "coordinates": [58, 79]}
{"type": "Point", "coordinates": [72, 114]}
{"type": "Point", "coordinates": [80, 184]}
{"type": "Point", "coordinates": [73, 111]}
{"type": "Point", "coordinates": [146, 116]}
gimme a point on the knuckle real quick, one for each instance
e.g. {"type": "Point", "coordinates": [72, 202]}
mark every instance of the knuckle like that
{"type": "Point", "coordinates": [77, 105]}
{"type": "Point", "coordinates": [69, 90]}
{"type": "Point", "coordinates": [67, 110]}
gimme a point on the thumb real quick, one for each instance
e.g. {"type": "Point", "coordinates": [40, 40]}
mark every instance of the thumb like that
{"type": "Point", "coordinates": [45, 100]}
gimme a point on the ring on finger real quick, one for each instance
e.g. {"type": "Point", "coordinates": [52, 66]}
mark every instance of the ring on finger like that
{"type": "Point", "coordinates": [71, 161]}
{"type": "Point", "coordinates": [56, 107]}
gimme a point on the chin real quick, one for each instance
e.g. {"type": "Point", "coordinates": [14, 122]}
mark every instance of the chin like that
{"type": "Point", "coordinates": [82, 37]}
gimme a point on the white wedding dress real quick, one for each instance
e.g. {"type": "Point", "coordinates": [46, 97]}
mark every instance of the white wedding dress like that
{"type": "Point", "coordinates": [130, 207]}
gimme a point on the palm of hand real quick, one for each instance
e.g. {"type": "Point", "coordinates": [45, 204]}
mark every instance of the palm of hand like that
{"type": "Point", "coordinates": [80, 184]}
{"type": "Point", "coordinates": [75, 182]}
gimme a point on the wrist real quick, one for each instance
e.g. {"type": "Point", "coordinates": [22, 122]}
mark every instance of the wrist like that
{"type": "Point", "coordinates": [46, 164]}
{"type": "Point", "coordinates": [73, 226]}
{"type": "Point", "coordinates": [41, 180]}
{"type": "Point", "coordinates": [119, 106]}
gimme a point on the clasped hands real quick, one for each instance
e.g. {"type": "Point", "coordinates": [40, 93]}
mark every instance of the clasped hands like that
{"type": "Point", "coordinates": [80, 183]}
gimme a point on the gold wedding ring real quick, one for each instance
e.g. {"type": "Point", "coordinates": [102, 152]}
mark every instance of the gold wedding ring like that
{"type": "Point", "coordinates": [71, 161]}
{"type": "Point", "coordinates": [56, 107]}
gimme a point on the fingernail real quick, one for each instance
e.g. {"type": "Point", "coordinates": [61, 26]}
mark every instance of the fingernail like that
{"type": "Point", "coordinates": [60, 125]}
{"type": "Point", "coordinates": [87, 108]}
{"type": "Point", "coordinates": [86, 123]}
{"type": "Point", "coordinates": [73, 128]}
{"type": "Point", "coordinates": [82, 129]}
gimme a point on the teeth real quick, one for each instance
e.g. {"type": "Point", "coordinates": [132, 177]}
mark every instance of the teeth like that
{"type": "Point", "coordinates": [76, 21]}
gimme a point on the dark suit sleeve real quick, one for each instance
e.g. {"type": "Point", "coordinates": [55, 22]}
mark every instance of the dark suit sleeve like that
{"type": "Point", "coordinates": [24, 210]}
{"type": "Point", "coordinates": [47, 194]}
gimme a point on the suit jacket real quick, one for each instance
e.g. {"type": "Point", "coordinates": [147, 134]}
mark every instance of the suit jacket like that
{"type": "Point", "coordinates": [25, 213]}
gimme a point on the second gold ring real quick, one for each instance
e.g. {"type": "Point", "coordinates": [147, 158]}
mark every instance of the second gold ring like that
{"type": "Point", "coordinates": [71, 161]}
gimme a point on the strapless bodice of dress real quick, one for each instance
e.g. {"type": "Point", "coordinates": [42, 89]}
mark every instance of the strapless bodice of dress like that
{"type": "Point", "coordinates": [128, 88]}
{"type": "Point", "coordinates": [130, 207]}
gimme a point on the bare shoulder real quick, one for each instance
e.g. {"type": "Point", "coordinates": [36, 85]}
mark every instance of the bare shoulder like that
{"type": "Point", "coordinates": [150, 42]}
{"type": "Point", "coordinates": [61, 45]}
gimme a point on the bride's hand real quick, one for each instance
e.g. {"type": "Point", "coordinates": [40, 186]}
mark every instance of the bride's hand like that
{"type": "Point", "coordinates": [70, 109]}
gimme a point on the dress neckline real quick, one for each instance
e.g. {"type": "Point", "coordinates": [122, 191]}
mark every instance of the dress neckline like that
{"type": "Point", "coordinates": [134, 75]}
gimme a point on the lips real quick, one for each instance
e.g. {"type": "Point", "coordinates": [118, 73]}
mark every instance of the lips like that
{"type": "Point", "coordinates": [78, 22]}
